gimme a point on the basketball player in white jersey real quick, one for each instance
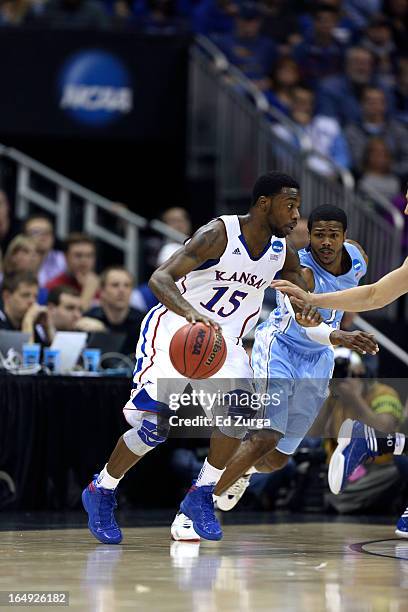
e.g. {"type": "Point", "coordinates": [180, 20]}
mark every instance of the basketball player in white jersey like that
{"type": "Point", "coordinates": [219, 278]}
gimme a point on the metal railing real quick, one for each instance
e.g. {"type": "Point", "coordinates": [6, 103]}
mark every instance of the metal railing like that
{"type": "Point", "coordinates": [232, 125]}
{"type": "Point", "coordinates": [38, 185]}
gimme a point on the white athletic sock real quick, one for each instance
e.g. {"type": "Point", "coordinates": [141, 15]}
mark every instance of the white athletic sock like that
{"type": "Point", "coordinates": [106, 481]}
{"type": "Point", "coordinates": [209, 475]}
{"type": "Point", "coordinates": [252, 470]}
{"type": "Point", "coordinates": [399, 443]}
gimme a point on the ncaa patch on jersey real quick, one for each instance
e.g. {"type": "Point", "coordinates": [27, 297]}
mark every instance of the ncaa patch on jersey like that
{"type": "Point", "coordinates": [277, 246]}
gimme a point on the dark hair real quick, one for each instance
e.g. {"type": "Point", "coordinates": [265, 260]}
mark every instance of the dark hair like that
{"type": "Point", "coordinates": [325, 8]}
{"type": "Point", "coordinates": [11, 282]}
{"type": "Point", "coordinates": [270, 184]}
{"type": "Point", "coordinates": [104, 275]}
{"type": "Point", "coordinates": [54, 296]}
{"type": "Point", "coordinates": [36, 216]}
{"type": "Point", "coordinates": [327, 212]}
{"type": "Point", "coordinates": [78, 238]}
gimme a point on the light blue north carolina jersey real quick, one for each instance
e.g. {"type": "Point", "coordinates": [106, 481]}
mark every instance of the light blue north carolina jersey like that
{"type": "Point", "coordinates": [293, 334]}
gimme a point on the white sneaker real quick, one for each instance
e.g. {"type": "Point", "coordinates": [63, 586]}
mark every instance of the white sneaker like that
{"type": "Point", "coordinates": [182, 529]}
{"type": "Point", "coordinates": [229, 499]}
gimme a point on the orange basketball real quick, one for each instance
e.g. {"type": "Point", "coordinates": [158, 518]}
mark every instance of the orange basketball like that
{"type": "Point", "coordinates": [197, 350]}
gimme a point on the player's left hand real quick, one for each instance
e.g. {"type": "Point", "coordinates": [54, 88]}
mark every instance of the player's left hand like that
{"type": "Point", "coordinates": [309, 316]}
{"type": "Point", "coordinates": [358, 341]}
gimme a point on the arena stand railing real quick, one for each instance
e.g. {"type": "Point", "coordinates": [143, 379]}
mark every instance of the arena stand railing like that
{"type": "Point", "coordinates": [231, 135]}
{"type": "Point", "coordinates": [39, 186]}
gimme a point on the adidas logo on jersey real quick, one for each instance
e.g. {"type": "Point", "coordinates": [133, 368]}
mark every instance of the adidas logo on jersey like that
{"type": "Point", "coordinates": [236, 252]}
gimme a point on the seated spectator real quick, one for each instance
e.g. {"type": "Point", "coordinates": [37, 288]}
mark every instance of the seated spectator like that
{"type": "Point", "coordinates": [80, 255]}
{"type": "Point", "coordinates": [214, 17]}
{"type": "Point", "coordinates": [345, 29]}
{"type": "Point", "coordinates": [339, 96]}
{"type": "Point", "coordinates": [285, 76]}
{"type": "Point", "coordinates": [177, 218]}
{"type": "Point", "coordinates": [401, 91]}
{"type": "Point", "coordinates": [20, 311]}
{"type": "Point", "coordinates": [21, 256]}
{"type": "Point", "coordinates": [397, 13]}
{"type": "Point", "coordinates": [321, 133]}
{"type": "Point", "coordinates": [75, 14]}
{"type": "Point", "coordinates": [379, 406]}
{"type": "Point", "coordinates": [115, 311]}
{"type": "Point", "coordinates": [280, 23]}
{"type": "Point", "coordinates": [40, 229]}
{"type": "Point", "coordinates": [379, 41]}
{"type": "Point", "coordinates": [377, 176]}
{"type": "Point", "coordinates": [320, 55]}
{"type": "Point", "coordinates": [246, 47]}
{"type": "Point", "coordinates": [6, 226]}
{"type": "Point", "coordinates": [376, 121]}
{"type": "Point", "coordinates": [64, 308]}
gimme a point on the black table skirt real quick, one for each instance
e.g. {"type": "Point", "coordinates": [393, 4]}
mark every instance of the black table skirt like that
{"type": "Point", "coordinates": [56, 432]}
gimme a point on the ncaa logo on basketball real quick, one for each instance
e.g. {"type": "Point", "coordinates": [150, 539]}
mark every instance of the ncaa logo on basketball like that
{"type": "Point", "coordinates": [95, 88]}
{"type": "Point", "coordinates": [277, 246]}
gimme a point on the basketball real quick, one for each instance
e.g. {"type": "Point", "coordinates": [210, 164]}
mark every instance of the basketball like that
{"type": "Point", "coordinates": [197, 350]}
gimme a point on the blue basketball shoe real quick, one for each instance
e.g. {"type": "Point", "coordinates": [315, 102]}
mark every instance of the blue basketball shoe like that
{"type": "Point", "coordinates": [198, 506]}
{"type": "Point", "coordinates": [402, 525]}
{"type": "Point", "coordinates": [352, 450]}
{"type": "Point", "coordinates": [100, 504]}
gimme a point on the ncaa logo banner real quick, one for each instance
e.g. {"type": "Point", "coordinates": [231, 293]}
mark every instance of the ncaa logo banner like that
{"type": "Point", "coordinates": [95, 88]}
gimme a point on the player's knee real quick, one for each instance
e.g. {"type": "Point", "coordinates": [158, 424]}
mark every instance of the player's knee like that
{"type": "Point", "coordinates": [148, 431]}
{"type": "Point", "coordinates": [272, 461]}
{"type": "Point", "coordinates": [263, 442]}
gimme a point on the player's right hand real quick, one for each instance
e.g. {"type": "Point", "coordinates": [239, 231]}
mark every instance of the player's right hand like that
{"type": "Point", "coordinates": [358, 341]}
{"type": "Point", "coordinates": [298, 296]}
{"type": "Point", "coordinates": [193, 316]}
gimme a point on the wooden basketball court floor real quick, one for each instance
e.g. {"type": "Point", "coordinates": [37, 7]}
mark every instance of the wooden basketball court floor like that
{"type": "Point", "coordinates": [289, 566]}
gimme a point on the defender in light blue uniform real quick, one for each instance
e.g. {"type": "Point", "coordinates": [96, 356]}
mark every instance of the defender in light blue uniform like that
{"type": "Point", "coordinates": [293, 365]}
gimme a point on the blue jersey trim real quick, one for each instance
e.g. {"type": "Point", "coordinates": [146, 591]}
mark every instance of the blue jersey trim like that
{"type": "Point", "coordinates": [144, 332]}
{"type": "Point", "coordinates": [266, 249]}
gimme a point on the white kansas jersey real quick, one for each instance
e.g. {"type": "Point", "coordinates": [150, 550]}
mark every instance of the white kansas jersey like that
{"type": "Point", "coordinates": [230, 289]}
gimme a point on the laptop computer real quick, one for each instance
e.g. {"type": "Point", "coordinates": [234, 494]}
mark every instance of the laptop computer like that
{"type": "Point", "coordinates": [108, 342]}
{"type": "Point", "coordinates": [12, 340]}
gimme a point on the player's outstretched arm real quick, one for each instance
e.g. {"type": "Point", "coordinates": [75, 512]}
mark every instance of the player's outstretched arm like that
{"type": "Point", "coordinates": [208, 242]}
{"type": "Point", "coordinates": [358, 299]}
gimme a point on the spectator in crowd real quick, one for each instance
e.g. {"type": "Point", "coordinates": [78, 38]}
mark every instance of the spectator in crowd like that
{"type": "Point", "coordinates": [15, 12]}
{"type": "Point", "coordinates": [280, 23]}
{"type": "Point", "coordinates": [64, 308]}
{"type": "Point", "coordinates": [6, 230]}
{"type": "Point", "coordinates": [40, 229]}
{"type": "Point", "coordinates": [80, 255]}
{"type": "Point", "coordinates": [20, 311]}
{"type": "Point", "coordinates": [401, 91]}
{"type": "Point", "coordinates": [319, 132]}
{"type": "Point", "coordinates": [115, 311]}
{"type": "Point", "coordinates": [345, 29]}
{"type": "Point", "coordinates": [379, 41]}
{"type": "Point", "coordinates": [376, 121]}
{"type": "Point", "coordinates": [214, 17]}
{"type": "Point", "coordinates": [397, 13]}
{"type": "Point", "coordinates": [75, 14]}
{"type": "Point", "coordinates": [339, 96]}
{"type": "Point", "coordinates": [320, 55]}
{"type": "Point", "coordinates": [178, 219]}
{"type": "Point", "coordinates": [379, 406]}
{"type": "Point", "coordinates": [377, 177]}
{"type": "Point", "coordinates": [285, 76]}
{"type": "Point", "coordinates": [246, 47]}
{"type": "Point", "coordinates": [21, 255]}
